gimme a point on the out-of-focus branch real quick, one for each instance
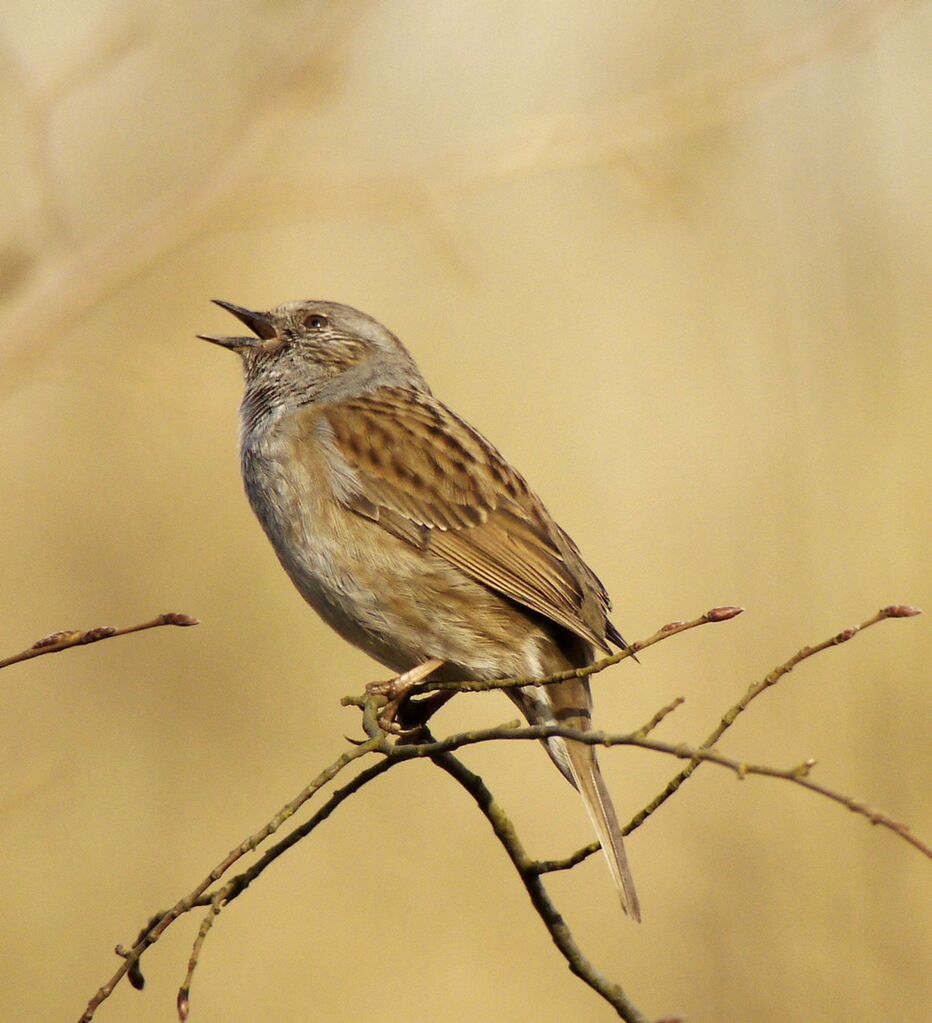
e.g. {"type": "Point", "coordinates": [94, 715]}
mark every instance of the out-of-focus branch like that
{"type": "Point", "coordinates": [75, 637]}
{"type": "Point", "coordinates": [620, 131]}
{"type": "Point", "coordinates": [440, 751]}
{"type": "Point", "coordinates": [40, 101]}
{"type": "Point", "coordinates": [61, 292]}
{"type": "Point", "coordinates": [50, 297]}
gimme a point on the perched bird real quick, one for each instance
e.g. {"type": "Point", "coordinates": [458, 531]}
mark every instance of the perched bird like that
{"type": "Point", "coordinates": [408, 532]}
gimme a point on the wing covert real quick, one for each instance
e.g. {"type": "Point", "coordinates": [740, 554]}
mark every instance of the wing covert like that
{"type": "Point", "coordinates": [425, 475]}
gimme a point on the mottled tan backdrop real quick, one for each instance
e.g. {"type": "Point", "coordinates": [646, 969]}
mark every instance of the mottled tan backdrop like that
{"type": "Point", "coordinates": [673, 258]}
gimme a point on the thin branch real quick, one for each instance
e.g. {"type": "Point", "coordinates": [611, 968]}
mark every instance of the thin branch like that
{"type": "Point", "coordinates": [797, 775]}
{"type": "Point", "coordinates": [440, 752]}
{"type": "Point", "coordinates": [728, 718]}
{"type": "Point", "coordinates": [235, 887]}
{"type": "Point", "coordinates": [530, 876]}
{"type": "Point", "coordinates": [152, 934]}
{"type": "Point", "coordinates": [661, 715]}
{"type": "Point", "coordinates": [59, 641]}
{"type": "Point", "coordinates": [568, 862]}
{"type": "Point", "coordinates": [183, 1002]}
{"type": "Point", "coordinates": [717, 614]}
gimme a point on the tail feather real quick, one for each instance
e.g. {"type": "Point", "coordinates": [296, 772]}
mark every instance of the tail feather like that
{"type": "Point", "coordinates": [569, 703]}
{"type": "Point", "coordinates": [598, 803]}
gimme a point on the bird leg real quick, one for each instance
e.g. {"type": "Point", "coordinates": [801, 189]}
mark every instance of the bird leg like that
{"type": "Point", "coordinates": [414, 714]}
{"type": "Point", "coordinates": [398, 689]}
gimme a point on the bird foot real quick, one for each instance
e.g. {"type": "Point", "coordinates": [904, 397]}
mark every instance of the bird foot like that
{"type": "Point", "coordinates": [391, 719]}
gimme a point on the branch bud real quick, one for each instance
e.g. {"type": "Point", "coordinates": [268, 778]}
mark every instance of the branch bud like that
{"type": "Point", "coordinates": [65, 636]}
{"type": "Point", "coordinates": [177, 618]}
{"type": "Point", "coordinates": [901, 611]}
{"type": "Point", "coordinates": [723, 614]}
{"type": "Point", "coordinates": [101, 632]}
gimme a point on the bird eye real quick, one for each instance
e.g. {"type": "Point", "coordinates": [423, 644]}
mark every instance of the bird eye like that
{"type": "Point", "coordinates": [316, 322]}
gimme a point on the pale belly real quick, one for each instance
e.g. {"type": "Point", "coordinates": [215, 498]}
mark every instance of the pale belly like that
{"type": "Point", "coordinates": [399, 604]}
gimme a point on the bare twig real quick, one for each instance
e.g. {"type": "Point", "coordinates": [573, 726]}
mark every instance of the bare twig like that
{"type": "Point", "coordinates": [183, 1002]}
{"type": "Point", "coordinates": [238, 884]}
{"type": "Point", "coordinates": [661, 715]}
{"type": "Point", "coordinates": [797, 775]}
{"type": "Point", "coordinates": [131, 956]}
{"type": "Point", "coordinates": [530, 870]}
{"type": "Point", "coordinates": [568, 862]}
{"type": "Point", "coordinates": [717, 614]}
{"type": "Point", "coordinates": [728, 718]}
{"type": "Point", "coordinates": [59, 641]}
{"type": "Point", "coordinates": [526, 867]}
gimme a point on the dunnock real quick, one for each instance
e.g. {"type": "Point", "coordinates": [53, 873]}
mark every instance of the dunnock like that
{"type": "Point", "coordinates": [410, 534]}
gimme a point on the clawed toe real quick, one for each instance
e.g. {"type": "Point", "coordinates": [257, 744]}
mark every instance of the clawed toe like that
{"type": "Point", "coordinates": [397, 690]}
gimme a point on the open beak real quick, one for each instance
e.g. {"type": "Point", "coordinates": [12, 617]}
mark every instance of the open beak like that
{"type": "Point", "coordinates": [259, 323]}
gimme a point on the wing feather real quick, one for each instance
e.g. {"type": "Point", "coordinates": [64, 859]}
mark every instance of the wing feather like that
{"type": "Point", "coordinates": [428, 477]}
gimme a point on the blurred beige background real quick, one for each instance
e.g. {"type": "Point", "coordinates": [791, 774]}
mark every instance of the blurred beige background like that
{"type": "Point", "coordinates": [673, 258]}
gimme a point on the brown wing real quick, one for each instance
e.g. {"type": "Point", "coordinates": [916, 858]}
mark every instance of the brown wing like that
{"type": "Point", "coordinates": [431, 479]}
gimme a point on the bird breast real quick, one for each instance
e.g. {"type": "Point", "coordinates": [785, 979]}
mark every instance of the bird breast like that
{"type": "Point", "coordinates": [399, 604]}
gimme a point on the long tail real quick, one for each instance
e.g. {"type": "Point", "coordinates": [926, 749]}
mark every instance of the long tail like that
{"type": "Point", "coordinates": [598, 803]}
{"type": "Point", "coordinates": [569, 703]}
